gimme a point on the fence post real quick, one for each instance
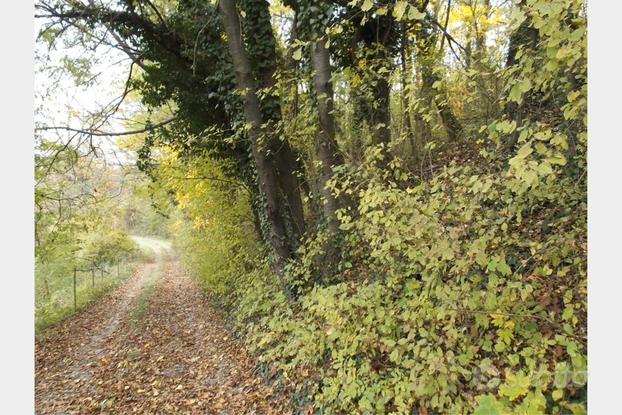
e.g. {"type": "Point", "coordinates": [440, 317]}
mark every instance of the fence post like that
{"type": "Point", "coordinates": [118, 271]}
{"type": "Point", "coordinates": [102, 273]}
{"type": "Point", "coordinates": [93, 277]}
{"type": "Point", "coordinates": [75, 300]}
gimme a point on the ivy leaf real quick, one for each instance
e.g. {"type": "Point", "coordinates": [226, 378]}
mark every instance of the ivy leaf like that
{"type": "Point", "coordinates": [533, 404]}
{"type": "Point", "coordinates": [297, 55]}
{"type": "Point", "coordinates": [367, 4]}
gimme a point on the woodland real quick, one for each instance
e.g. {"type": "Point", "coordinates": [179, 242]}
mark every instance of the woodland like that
{"type": "Point", "coordinates": [385, 201]}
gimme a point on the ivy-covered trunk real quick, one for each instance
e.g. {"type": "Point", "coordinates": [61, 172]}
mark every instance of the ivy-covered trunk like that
{"type": "Point", "coordinates": [378, 41]}
{"type": "Point", "coordinates": [406, 84]}
{"type": "Point", "coordinates": [261, 46]}
{"type": "Point", "coordinates": [275, 233]}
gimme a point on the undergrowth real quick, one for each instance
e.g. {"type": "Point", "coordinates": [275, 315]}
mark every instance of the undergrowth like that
{"type": "Point", "coordinates": [461, 290]}
{"type": "Point", "coordinates": [461, 294]}
{"type": "Point", "coordinates": [58, 305]}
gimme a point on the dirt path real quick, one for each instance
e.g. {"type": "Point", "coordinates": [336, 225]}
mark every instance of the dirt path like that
{"type": "Point", "coordinates": [153, 346]}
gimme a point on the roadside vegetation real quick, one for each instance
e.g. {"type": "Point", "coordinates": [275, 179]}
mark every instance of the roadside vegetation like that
{"type": "Point", "coordinates": [387, 198]}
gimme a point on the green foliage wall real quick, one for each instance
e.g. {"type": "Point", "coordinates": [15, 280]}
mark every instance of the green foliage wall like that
{"type": "Point", "coordinates": [455, 290]}
{"type": "Point", "coordinates": [463, 293]}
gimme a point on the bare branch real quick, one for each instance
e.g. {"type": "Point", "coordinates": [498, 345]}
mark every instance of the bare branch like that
{"type": "Point", "coordinates": [109, 134]}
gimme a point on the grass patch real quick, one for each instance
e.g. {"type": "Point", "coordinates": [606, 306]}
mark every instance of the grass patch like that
{"type": "Point", "coordinates": [54, 291]}
{"type": "Point", "coordinates": [146, 292]}
{"type": "Point", "coordinates": [151, 244]}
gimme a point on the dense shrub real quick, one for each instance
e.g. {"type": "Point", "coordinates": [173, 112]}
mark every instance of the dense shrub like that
{"type": "Point", "coordinates": [456, 291]}
{"type": "Point", "coordinates": [107, 248]}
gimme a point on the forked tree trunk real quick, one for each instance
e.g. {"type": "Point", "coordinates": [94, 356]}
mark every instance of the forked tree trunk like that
{"type": "Point", "coordinates": [267, 178]}
{"type": "Point", "coordinates": [261, 43]}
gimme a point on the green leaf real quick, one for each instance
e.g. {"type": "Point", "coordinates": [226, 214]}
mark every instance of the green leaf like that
{"type": "Point", "coordinates": [489, 405]}
{"type": "Point", "coordinates": [541, 148]}
{"type": "Point", "coordinates": [515, 386]}
{"type": "Point", "coordinates": [533, 404]}
{"type": "Point", "coordinates": [561, 160]}
{"type": "Point", "coordinates": [503, 268]}
{"type": "Point", "coordinates": [524, 151]}
{"type": "Point", "coordinates": [524, 85]}
{"type": "Point", "coordinates": [576, 34]}
{"type": "Point", "coordinates": [544, 168]}
{"type": "Point", "coordinates": [506, 127]}
{"type": "Point", "coordinates": [543, 135]}
{"type": "Point", "coordinates": [515, 94]}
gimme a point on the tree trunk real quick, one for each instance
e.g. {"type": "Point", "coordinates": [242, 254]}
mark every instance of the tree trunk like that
{"type": "Point", "coordinates": [453, 128]}
{"type": "Point", "coordinates": [427, 61]}
{"type": "Point", "coordinates": [382, 115]}
{"type": "Point", "coordinates": [405, 101]}
{"type": "Point", "coordinates": [526, 35]}
{"type": "Point", "coordinates": [382, 89]}
{"type": "Point", "coordinates": [266, 175]}
{"type": "Point", "coordinates": [325, 142]}
{"type": "Point", "coordinates": [481, 31]}
{"type": "Point", "coordinates": [262, 49]}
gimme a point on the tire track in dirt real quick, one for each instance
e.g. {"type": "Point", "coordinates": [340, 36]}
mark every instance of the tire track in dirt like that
{"type": "Point", "coordinates": [66, 358]}
{"type": "Point", "coordinates": [178, 359]}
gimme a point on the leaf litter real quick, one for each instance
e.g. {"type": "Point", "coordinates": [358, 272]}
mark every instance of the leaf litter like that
{"type": "Point", "coordinates": [177, 359]}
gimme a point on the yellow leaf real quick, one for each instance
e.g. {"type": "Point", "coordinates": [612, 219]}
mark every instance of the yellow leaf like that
{"type": "Point", "coordinates": [366, 5]}
{"type": "Point", "coordinates": [414, 14]}
{"type": "Point", "coordinates": [399, 9]}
